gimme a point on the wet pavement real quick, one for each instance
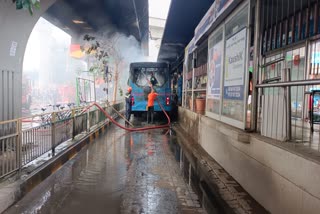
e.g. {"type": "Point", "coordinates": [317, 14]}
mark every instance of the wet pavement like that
{"type": "Point", "coordinates": [120, 172]}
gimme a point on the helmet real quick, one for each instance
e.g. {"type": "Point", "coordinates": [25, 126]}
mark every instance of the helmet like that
{"type": "Point", "coordinates": [129, 89]}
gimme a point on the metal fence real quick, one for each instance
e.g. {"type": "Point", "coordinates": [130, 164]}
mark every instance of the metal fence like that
{"type": "Point", "coordinates": [80, 124]}
{"type": "Point", "coordinates": [26, 139]}
{"type": "Point", "coordinates": [286, 110]}
{"type": "Point", "coordinates": [35, 142]}
{"type": "Point", "coordinates": [9, 148]}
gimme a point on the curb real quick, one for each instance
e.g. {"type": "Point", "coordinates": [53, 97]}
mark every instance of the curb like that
{"type": "Point", "coordinates": [221, 193]}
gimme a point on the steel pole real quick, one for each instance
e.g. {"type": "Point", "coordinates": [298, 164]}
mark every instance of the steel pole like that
{"type": "Point", "coordinates": [255, 77]}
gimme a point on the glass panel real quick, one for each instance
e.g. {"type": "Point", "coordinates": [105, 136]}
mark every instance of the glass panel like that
{"type": "Point", "coordinates": [144, 76]}
{"type": "Point", "coordinates": [295, 60]}
{"type": "Point", "coordinates": [235, 64]}
{"type": "Point", "coordinates": [237, 23]}
{"type": "Point", "coordinates": [189, 100]}
{"type": "Point", "coordinates": [214, 73]}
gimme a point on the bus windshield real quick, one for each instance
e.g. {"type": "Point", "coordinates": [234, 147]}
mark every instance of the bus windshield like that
{"type": "Point", "coordinates": [142, 76]}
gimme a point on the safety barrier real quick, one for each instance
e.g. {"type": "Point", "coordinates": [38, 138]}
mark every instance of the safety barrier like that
{"type": "Point", "coordinates": [26, 139]}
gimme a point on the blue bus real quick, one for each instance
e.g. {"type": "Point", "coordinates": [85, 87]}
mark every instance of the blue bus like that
{"type": "Point", "coordinates": [140, 78]}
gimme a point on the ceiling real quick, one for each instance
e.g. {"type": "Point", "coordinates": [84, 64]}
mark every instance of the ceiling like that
{"type": "Point", "coordinates": [182, 19]}
{"type": "Point", "coordinates": [126, 16]}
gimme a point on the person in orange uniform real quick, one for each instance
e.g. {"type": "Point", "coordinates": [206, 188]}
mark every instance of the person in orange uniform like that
{"type": "Point", "coordinates": [129, 103]}
{"type": "Point", "coordinates": [151, 97]}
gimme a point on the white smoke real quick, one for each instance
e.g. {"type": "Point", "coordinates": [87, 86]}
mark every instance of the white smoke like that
{"type": "Point", "coordinates": [125, 49]}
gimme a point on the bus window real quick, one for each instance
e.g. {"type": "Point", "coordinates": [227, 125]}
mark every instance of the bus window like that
{"type": "Point", "coordinates": [141, 77]}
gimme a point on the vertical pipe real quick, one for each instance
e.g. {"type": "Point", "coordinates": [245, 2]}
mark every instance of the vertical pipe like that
{"type": "Point", "coordinates": [271, 26]}
{"type": "Point", "coordinates": [73, 123]}
{"type": "Point", "coordinates": [24, 147]}
{"type": "Point", "coordinates": [192, 81]}
{"type": "Point", "coordinates": [293, 23]}
{"type": "Point", "coordinates": [53, 133]}
{"type": "Point", "coordinates": [33, 150]}
{"type": "Point", "coordinates": [19, 144]}
{"type": "Point", "coordinates": [287, 77]}
{"type": "Point", "coordinates": [281, 26]}
{"type": "Point", "coordinates": [256, 54]}
{"type": "Point", "coordinates": [77, 91]}
{"type": "Point", "coordinates": [300, 25]}
{"type": "Point", "coordinates": [287, 24]}
{"type": "Point", "coordinates": [94, 89]}
{"type": "Point", "coordinates": [3, 162]}
{"type": "Point", "coordinates": [316, 19]}
{"type": "Point", "coordinates": [24, 155]}
{"type": "Point", "coordinates": [10, 153]}
{"type": "Point", "coordinates": [266, 24]}
{"type": "Point", "coordinates": [307, 20]}
{"type": "Point", "coordinates": [88, 121]}
{"type": "Point", "coordinates": [6, 156]}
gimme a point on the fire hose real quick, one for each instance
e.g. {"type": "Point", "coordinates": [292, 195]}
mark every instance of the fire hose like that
{"type": "Point", "coordinates": [132, 129]}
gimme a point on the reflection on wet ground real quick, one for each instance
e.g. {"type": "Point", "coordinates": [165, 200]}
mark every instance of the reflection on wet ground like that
{"type": "Point", "coordinates": [121, 172]}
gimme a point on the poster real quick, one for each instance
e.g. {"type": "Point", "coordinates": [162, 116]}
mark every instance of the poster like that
{"type": "Point", "coordinates": [214, 74]}
{"type": "Point", "coordinates": [235, 66]}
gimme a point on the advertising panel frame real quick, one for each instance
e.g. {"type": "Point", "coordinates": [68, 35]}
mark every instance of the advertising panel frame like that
{"type": "Point", "coordinates": [209, 113]}
{"type": "Point", "coordinates": [230, 121]}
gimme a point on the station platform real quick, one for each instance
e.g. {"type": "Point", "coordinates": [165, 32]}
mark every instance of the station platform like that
{"type": "Point", "coordinates": [154, 171]}
{"type": "Point", "coordinates": [121, 172]}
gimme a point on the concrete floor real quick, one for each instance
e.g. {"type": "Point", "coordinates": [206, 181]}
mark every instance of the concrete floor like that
{"type": "Point", "coordinates": [120, 172]}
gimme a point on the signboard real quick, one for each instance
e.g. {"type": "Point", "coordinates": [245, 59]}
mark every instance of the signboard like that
{"type": "Point", "coordinates": [13, 48]}
{"type": "Point", "coordinates": [235, 66]}
{"type": "Point", "coordinates": [214, 74]}
{"type": "Point", "coordinates": [217, 8]}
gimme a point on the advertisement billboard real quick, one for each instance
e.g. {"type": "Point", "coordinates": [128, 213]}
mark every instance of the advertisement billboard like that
{"type": "Point", "coordinates": [214, 70]}
{"type": "Point", "coordinates": [235, 66]}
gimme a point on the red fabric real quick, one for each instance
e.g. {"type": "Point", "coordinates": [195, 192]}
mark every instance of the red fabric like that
{"type": "Point", "coordinates": [310, 102]}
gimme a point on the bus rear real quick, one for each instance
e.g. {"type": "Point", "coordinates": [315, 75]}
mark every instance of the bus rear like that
{"type": "Point", "coordinates": [139, 79]}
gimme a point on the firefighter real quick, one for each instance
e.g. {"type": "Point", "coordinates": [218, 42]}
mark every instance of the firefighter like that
{"type": "Point", "coordinates": [153, 80]}
{"type": "Point", "coordinates": [151, 98]}
{"type": "Point", "coordinates": [129, 103]}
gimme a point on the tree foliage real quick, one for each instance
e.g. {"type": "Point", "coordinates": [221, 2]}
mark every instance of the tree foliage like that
{"type": "Point", "coordinates": [105, 58]}
{"type": "Point", "coordinates": [103, 54]}
{"type": "Point", "coordinates": [29, 5]}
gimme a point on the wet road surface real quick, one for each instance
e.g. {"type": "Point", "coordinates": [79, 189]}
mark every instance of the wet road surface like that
{"type": "Point", "coordinates": [120, 172]}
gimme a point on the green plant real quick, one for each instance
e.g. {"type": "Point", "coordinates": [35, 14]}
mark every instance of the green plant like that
{"type": "Point", "coordinates": [120, 92]}
{"type": "Point", "coordinates": [104, 56]}
{"type": "Point", "coordinates": [98, 54]}
{"type": "Point", "coordinates": [27, 5]}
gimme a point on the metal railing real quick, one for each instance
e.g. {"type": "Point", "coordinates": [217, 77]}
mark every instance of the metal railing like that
{"type": "Point", "coordinates": [284, 110]}
{"type": "Point", "coordinates": [26, 139]}
{"type": "Point", "coordinates": [10, 134]}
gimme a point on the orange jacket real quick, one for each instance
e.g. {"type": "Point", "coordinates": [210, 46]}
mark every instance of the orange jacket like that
{"type": "Point", "coordinates": [151, 98]}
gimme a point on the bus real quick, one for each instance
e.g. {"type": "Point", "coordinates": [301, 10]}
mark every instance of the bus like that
{"type": "Point", "coordinates": [140, 80]}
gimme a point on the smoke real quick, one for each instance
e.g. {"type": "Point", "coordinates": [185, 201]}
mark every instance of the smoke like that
{"type": "Point", "coordinates": [50, 72]}
{"type": "Point", "coordinates": [122, 50]}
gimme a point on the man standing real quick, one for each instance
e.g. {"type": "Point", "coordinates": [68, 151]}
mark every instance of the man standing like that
{"type": "Point", "coordinates": [129, 103]}
{"type": "Point", "coordinates": [151, 97]}
{"type": "Point", "coordinates": [153, 80]}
